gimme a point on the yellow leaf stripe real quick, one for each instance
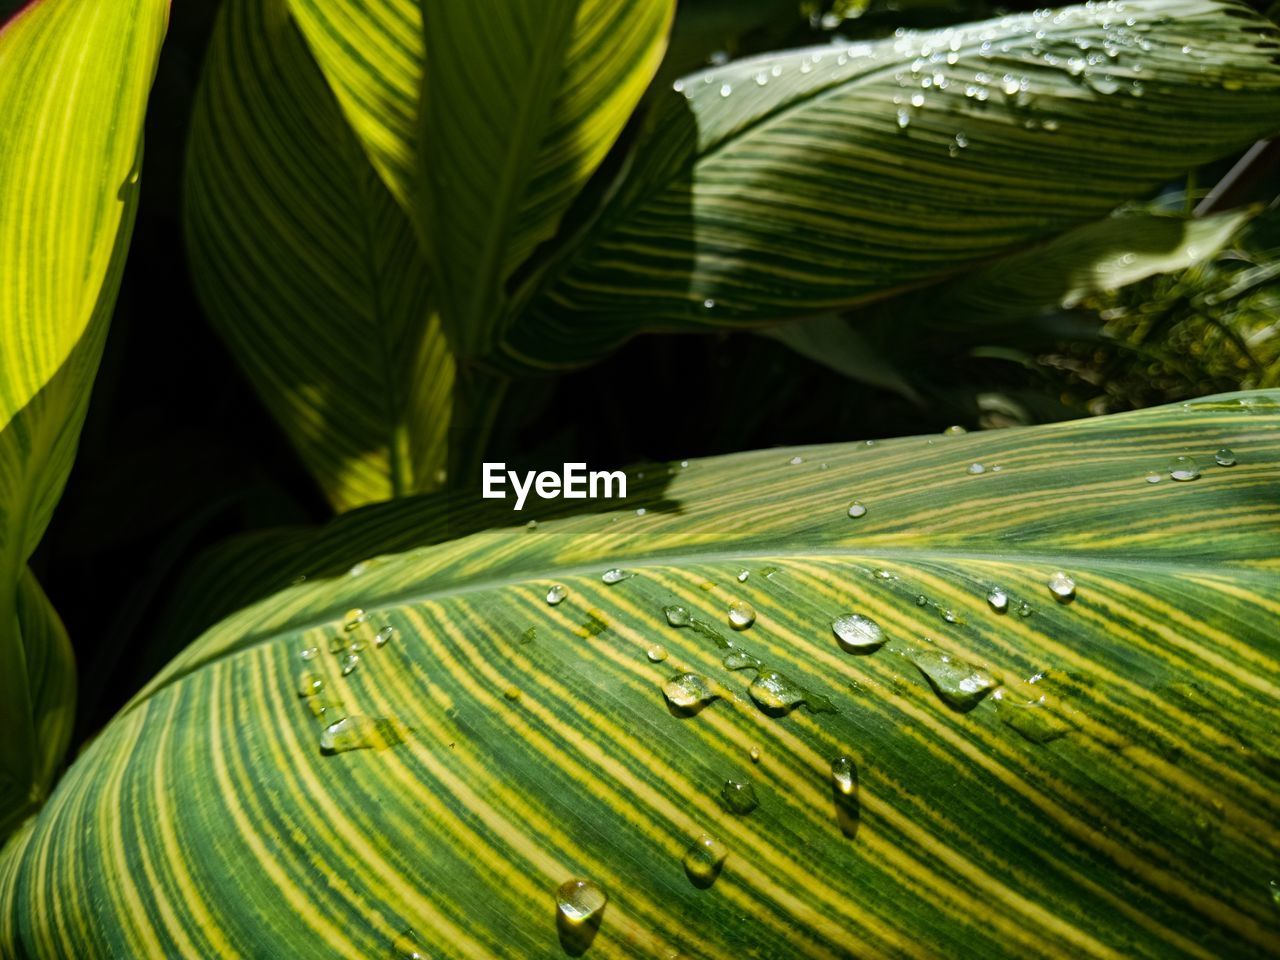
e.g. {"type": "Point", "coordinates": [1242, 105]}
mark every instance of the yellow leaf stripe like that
{"type": "Point", "coordinates": [74, 79]}
{"type": "Point", "coordinates": [309, 269]}
{"type": "Point", "coordinates": [815, 179]}
{"type": "Point", "coordinates": [1111, 792]}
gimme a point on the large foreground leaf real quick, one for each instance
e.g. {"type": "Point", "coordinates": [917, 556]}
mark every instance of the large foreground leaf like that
{"type": "Point", "coordinates": [74, 79]}
{"type": "Point", "coordinates": [817, 179]}
{"type": "Point", "coordinates": [310, 270]}
{"type": "Point", "coordinates": [1114, 793]}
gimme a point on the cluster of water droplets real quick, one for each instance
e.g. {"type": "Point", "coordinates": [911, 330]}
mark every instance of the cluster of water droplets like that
{"type": "Point", "coordinates": [344, 731]}
{"type": "Point", "coordinates": [1186, 468]}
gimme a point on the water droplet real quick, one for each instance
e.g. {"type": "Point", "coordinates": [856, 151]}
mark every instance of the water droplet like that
{"type": "Point", "coordinates": [1184, 468]}
{"type": "Point", "coordinates": [741, 615]}
{"type": "Point", "coordinates": [796, 461]}
{"type": "Point", "coordinates": [761, 78]}
{"type": "Point", "coordinates": [921, 600]}
{"type": "Point", "coordinates": [641, 511]}
{"type": "Point", "coordinates": [959, 685]}
{"type": "Point", "coordinates": [309, 684]}
{"type": "Point", "coordinates": [844, 776]}
{"type": "Point", "coordinates": [349, 663]}
{"type": "Point", "coordinates": [976, 468]}
{"type": "Point", "coordinates": [678, 616]}
{"type": "Point", "coordinates": [355, 616]}
{"type": "Point", "coordinates": [1062, 587]}
{"type": "Point", "coordinates": [1050, 125]}
{"type": "Point", "coordinates": [856, 509]}
{"type": "Point", "coordinates": [739, 796]}
{"type": "Point", "coordinates": [531, 525]}
{"type": "Point", "coordinates": [725, 90]}
{"type": "Point", "coordinates": [917, 100]}
{"type": "Point", "coordinates": [857, 633]}
{"type": "Point", "coordinates": [754, 754]}
{"type": "Point", "coordinates": [689, 692]}
{"type": "Point", "coordinates": [309, 653]}
{"type": "Point", "coordinates": [742, 575]}
{"type": "Point", "coordinates": [382, 636]}
{"type": "Point", "coordinates": [704, 859]}
{"type": "Point", "coordinates": [1024, 609]}
{"type": "Point", "coordinates": [998, 599]}
{"type": "Point", "coordinates": [614, 575]}
{"type": "Point", "coordinates": [775, 693]}
{"type": "Point", "coordinates": [1225, 458]}
{"type": "Point", "coordinates": [657, 653]}
{"type": "Point", "coordinates": [954, 431]}
{"type": "Point", "coordinates": [904, 118]}
{"type": "Point", "coordinates": [580, 901]}
{"type": "Point", "coordinates": [1153, 477]}
{"type": "Point", "coordinates": [406, 947]}
{"type": "Point", "coordinates": [1028, 712]}
{"type": "Point", "coordinates": [678, 86]}
{"type": "Point", "coordinates": [358, 733]}
{"type": "Point", "coordinates": [775, 70]}
{"type": "Point", "coordinates": [741, 660]}
{"type": "Point", "coordinates": [511, 693]}
{"type": "Point", "coordinates": [556, 592]}
{"type": "Point", "coordinates": [356, 645]}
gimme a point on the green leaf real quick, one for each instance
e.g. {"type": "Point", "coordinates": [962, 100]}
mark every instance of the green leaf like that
{"type": "Point", "coordinates": [522, 101]}
{"type": "Point", "coordinates": [74, 79]}
{"type": "Point", "coordinates": [811, 180]}
{"type": "Point", "coordinates": [310, 270]}
{"type": "Point", "coordinates": [1122, 804]}
{"type": "Point", "coordinates": [1084, 262]}
{"type": "Point", "coordinates": [547, 88]}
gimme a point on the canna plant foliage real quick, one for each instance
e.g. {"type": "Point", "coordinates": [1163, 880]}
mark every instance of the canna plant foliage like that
{"type": "Point", "coordinates": [1019, 699]}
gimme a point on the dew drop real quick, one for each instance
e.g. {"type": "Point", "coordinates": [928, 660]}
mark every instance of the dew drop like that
{"type": "Point", "coordinates": [754, 754]}
{"type": "Point", "coordinates": [959, 685]}
{"type": "Point", "coordinates": [998, 600]}
{"type": "Point", "coordinates": [725, 90]}
{"type": "Point", "coordinates": [1225, 458]}
{"type": "Point", "coordinates": [904, 118]}
{"type": "Point", "coordinates": [309, 653]}
{"type": "Point", "coordinates": [1153, 477]}
{"type": "Point", "coordinates": [857, 633]}
{"type": "Point", "coordinates": [796, 461]}
{"type": "Point", "coordinates": [406, 947]}
{"type": "Point", "coordinates": [921, 600]}
{"type": "Point", "coordinates": [704, 860]}
{"type": "Point", "coordinates": [743, 575]}
{"type": "Point", "coordinates": [678, 616]}
{"type": "Point", "coordinates": [382, 636]}
{"type": "Point", "coordinates": [349, 663]}
{"type": "Point", "coordinates": [856, 509]}
{"type": "Point", "coordinates": [580, 901]}
{"type": "Point", "coordinates": [556, 593]}
{"type": "Point", "coordinates": [309, 684]}
{"type": "Point", "coordinates": [761, 78]}
{"type": "Point", "coordinates": [1184, 468]}
{"type": "Point", "coordinates": [739, 796]}
{"type": "Point", "coordinates": [1028, 712]}
{"type": "Point", "coordinates": [954, 430]}
{"type": "Point", "coordinates": [1062, 587]}
{"type": "Point", "coordinates": [358, 733]}
{"type": "Point", "coordinates": [689, 692]}
{"type": "Point", "coordinates": [844, 776]}
{"type": "Point", "coordinates": [657, 653]}
{"type": "Point", "coordinates": [977, 468]}
{"type": "Point", "coordinates": [741, 615]}
{"type": "Point", "coordinates": [355, 616]}
{"type": "Point", "coordinates": [614, 575]}
{"type": "Point", "coordinates": [775, 693]}
{"type": "Point", "coordinates": [1024, 609]}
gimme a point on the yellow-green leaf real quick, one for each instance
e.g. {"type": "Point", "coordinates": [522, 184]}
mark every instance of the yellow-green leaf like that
{"type": "Point", "coordinates": [74, 79]}
{"type": "Point", "coordinates": [310, 270]}
{"type": "Point", "coordinates": [1092, 775]}
{"type": "Point", "coordinates": [805, 181]}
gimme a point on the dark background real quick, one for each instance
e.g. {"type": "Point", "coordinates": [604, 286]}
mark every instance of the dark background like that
{"type": "Point", "coordinates": [178, 454]}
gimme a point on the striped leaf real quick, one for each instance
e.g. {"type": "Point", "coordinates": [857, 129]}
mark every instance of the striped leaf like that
{"type": "Point", "coordinates": [309, 269]}
{"type": "Point", "coordinates": [818, 179]}
{"type": "Point", "coordinates": [74, 79]}
{"type": "Point", "coordinates": [1016, 773]}
{"type": "Point", "coordinates": [522, 100]}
